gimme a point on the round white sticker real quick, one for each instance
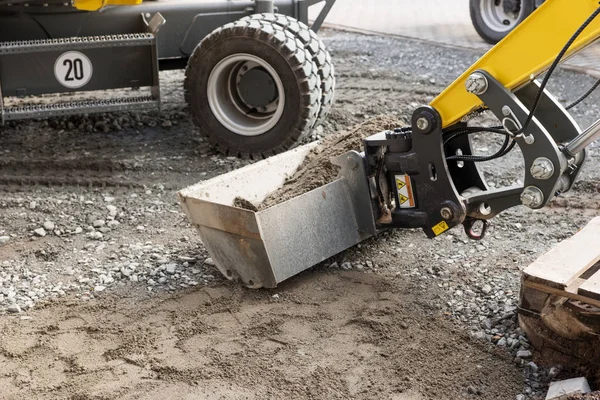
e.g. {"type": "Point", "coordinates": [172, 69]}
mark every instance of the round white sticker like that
{"type": "Point", "coordinates": [73, 69]}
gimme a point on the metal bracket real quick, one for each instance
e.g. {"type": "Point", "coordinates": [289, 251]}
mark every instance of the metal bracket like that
{"type": "Point", "coordinates": [153, 23]}
{"type": "Point", "coordinates": [264, 7]}
{"type": "Point", "coordinates": [560, 124]}
{"type": "Point", "coordinates": [304, 5]}
{"type": "Point", "coordinates": [438, 206]}
{"type": "Point", "coordinates": [2, 111]}
{"type": "Point", "coordinates": [352, 171]}
{"type": "Point", "coordinates": [547, 130]}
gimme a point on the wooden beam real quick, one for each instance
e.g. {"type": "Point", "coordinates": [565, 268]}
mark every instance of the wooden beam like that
{"type": "Point", "coordinates": [591, 287]}
{"type": "Point", "coordinates": [563, 293]}
{"type": "Point", "coordinates": [567, 261]}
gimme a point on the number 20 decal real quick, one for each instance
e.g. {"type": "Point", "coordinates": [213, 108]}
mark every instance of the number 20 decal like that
{"type": "Point", "coordinates": [73, 69]}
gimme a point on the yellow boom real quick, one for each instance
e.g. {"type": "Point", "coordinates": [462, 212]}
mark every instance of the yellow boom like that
{"type": "Point", "coordinates": [526, 52]}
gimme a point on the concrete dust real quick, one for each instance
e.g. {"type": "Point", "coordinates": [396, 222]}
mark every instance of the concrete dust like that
{"type": "Point", "coordinates": [318, 170]}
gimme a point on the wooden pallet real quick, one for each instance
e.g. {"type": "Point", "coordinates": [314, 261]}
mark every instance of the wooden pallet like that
{"type": "Point", "coordinates": [571, 269]}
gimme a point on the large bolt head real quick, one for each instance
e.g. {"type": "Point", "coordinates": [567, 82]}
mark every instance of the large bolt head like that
{"type": "Point", "coordinates": [352, 163]}
{"type": "Point", "coordinates": [542, 168]}
{"type": "Point", "coordinates": [476, 83]}
{"type": "Point", "coordinates": [423, 124]}
{"type": "Point", "coordinates": [532, 197]}
{"type": "Point", "coordinates": [446, 213]}
{"type": "Point", "coordinates": [529, 139]}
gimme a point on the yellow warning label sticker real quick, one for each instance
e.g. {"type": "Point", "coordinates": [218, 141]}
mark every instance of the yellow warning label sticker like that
{"type": "Point", "coordinates": [400, 184]}
{"type": "Point", "coordinates": [440, 228]}
{"type": "Point", "coordinates": [405, 191]}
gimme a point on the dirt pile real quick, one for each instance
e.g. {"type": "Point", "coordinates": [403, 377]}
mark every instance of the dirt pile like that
{"type": "Point", "coordinates": [591, 396]}
{"type": "Point", "coordinates": [317, 169]}
{"type": "Point", "coordinates": [341, 335]}
{"type": "Point", "coordinates": [244, 204]}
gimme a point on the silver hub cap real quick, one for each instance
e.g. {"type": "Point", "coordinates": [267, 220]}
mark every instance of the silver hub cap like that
{"type": "Point", "coordinates": [232, 108]}
{"type": "Point", "coordinates": [501, 15]}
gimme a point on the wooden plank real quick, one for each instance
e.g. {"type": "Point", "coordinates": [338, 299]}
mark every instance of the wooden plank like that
{"type": "Point", "coordinates": [591, 287]}
{"type": "Point", "coordinates": [563, 293]}
{"type": "Point", "coordinates": [563, 264]}
{"type": "Point", "coordinates": [574, 286]}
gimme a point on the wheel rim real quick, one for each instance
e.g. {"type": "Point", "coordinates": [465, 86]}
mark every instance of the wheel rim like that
{"type": "Point", "coordinates": [501, 15]}
{"type": "Point", "coordinates": [236, 106]}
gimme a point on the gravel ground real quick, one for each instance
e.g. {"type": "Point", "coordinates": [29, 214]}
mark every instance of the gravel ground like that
{"type": "Point", "coordinates": [89, 219]}
{"type": "Point", "coordinates": [591, 396]}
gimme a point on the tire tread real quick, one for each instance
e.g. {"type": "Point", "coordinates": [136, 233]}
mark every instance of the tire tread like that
{"type": "Point", "coordinates": [299, 59]}
{"type": "Point", "coordinates": [319, 53]}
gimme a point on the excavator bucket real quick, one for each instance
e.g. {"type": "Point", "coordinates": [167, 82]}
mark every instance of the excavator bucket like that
{"type": "Point", "coordinates": [266, 247]}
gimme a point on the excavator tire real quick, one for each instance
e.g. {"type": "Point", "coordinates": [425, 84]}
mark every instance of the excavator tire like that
{"type": "Point", "coordinates": [320, 55]}
{"type": "Point", "coordinates": [491, 19]}
{"type": "Point", "coordinates": [253, 88]}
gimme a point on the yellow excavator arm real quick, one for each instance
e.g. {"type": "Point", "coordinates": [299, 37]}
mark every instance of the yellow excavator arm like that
{"type": "Point", "coordinates": [526, 52]}
{"type": "Point", "coordinates": [94, 5]}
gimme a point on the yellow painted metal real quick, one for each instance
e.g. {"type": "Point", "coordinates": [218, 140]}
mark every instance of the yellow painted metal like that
{"type": "Point", "coordinates": [527, 51]}
{"type": "Point", "coordinates": [93, 5]}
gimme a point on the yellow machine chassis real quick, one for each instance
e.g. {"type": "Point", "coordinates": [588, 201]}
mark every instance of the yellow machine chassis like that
{"type": "Point", "coordinates": [525, 53]}
{"type": "Point", "coordinates": [93, 5]}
